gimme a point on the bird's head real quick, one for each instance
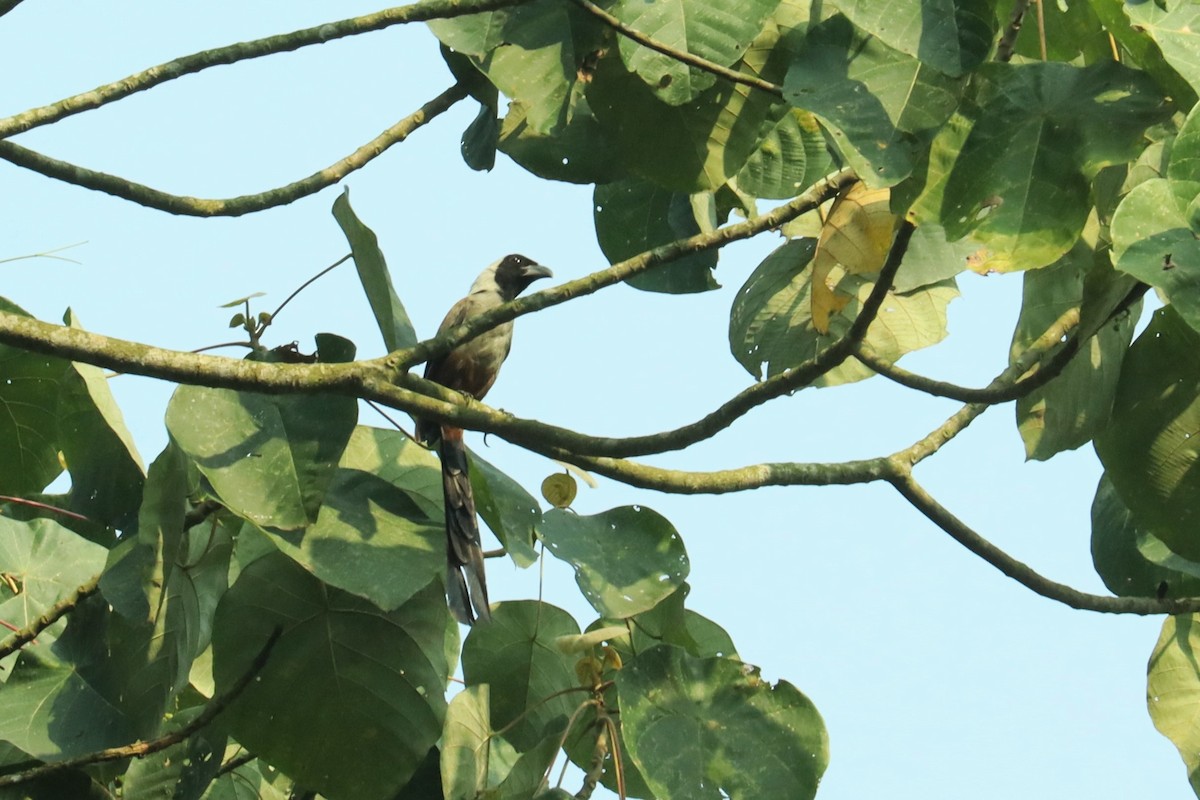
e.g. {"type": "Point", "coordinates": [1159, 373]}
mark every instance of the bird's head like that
{"type": "Point", "coordinates": [510, 276]}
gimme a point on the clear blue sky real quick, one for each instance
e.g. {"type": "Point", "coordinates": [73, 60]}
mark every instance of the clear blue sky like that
{"type": "Point", "coordinates": [938, 678]}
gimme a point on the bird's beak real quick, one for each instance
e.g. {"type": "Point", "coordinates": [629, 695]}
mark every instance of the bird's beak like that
{"type": "Point", "coordinates": [536, 271]}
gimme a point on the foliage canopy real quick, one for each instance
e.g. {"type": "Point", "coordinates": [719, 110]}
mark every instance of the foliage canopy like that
{"type": "Point", "coordinates": [166, 618]}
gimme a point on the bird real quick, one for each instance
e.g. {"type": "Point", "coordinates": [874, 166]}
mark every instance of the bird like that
{"type": "Point", "coordinates": [471, 368]}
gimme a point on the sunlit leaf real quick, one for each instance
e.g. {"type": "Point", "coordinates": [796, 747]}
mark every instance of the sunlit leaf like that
{"type": "Point", "coordinates": [270, 458]}
{"type": "Point", "coordinates": [771, 328]}
{"type": "Point", "coordinates": [1040, 132]}
{"type": "Point", "coordinates": [856, 236]}
{"type": "Point", "coordinates": [715, 30]}
{"type": "Point", "coordinates": [953, 36]}
{"type": "Point", "coordinates": [47, 563]}
{"type": "Point", "coordinates": [1173, 689]}
{"type": "Point", "coordinates": [791, 156]}
{"type": "Point", "coordinates": [1175, 28]}
{"type": "Point", "coordinates": [379, 533]}
{"type": "Point", "coordinates": [509, 511]}
{"type": "Point", "coordinates": [697, 146]}
{"type": "Point", "coordinates": [694, 726]}
{"type": "Point", "coordinates": [1072, 408]}
{"type": "Point", "coordinates": [534, 53]}
{"type": "Point", "coordinates": [515, 653]}
{"type": "Point", "coordinates": [393, 321]}
{"type": "Point", "coordinates": [465, 744]}
{"type": "Point", "coordinates": [869, 96]}
{"type": "Point", "coordinates": [626, 559]}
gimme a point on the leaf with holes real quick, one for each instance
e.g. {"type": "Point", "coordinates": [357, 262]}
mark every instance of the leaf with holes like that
{"type": "Point", "coordinates": [626, 559]}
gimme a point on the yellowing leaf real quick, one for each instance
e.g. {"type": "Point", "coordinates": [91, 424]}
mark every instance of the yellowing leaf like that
{"type": "Point", "coordinates": [559, 489]}
{"type": "Point", "coordinates": [856, 237]}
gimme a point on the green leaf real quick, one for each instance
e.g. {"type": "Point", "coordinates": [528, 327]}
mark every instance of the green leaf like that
{"type": "Point", "coordinates": [952, 36]}
{"type": "Point", "coordinates": [517, 655]}
{"type": "Point", "coordinates": [869, 96]}
{"type": "Point", "coordinates": [371, 682]}
{"type": "Point", "coordinates": [67, 697]}
{"type": "Point", "coordinates": [1068, 31]}
{"type": "Point", "coordinates": [701, 728]}
{"type": "Point", "coordinates": [527, 778]}
{"type": "Point", "coordinates": [932, 259]}
{"type": "Point", "coordinates": [770, 325]}
{"type": "Point", "coordinates": [377, 534]}
{"type": "Point", "coordinates": [1153, 242]}
{"type": "Point", "coordinates": [73, 783]}
{"type": "Point", "coordinates": [393, 321]}
{"type": "Point", "coordinates": [790, 157]}
{"type": "Point", "coordinates": [179, 772]}
{"type": "Point", "coordinates": [510, 511]}
{"type": "Point", "coordinates": [465, 743]}
{"type": "Point", "coordinates": [251, 781]}
{"type": "Point", "coordinates": [1176, 31]}
{"type": "Point", "coordinates": [1155, 227]}
{"type": "Point", "coordinates": [533, 53]}
{"type": "Point", "coordinates": [48, 562]}
{"type": "Point", "coordinates": [426, 784]}
{"type": "Point", "coordinates": [1146, 53]}
{"type": "Point", "coordinates": [29, 389]}
{"type": "Point", "coordinates": [334, 349]}
{"type": "Point", "coordinates": [166, 582]}
{"type": "Point", "coordinates": [633, 216]}
{"type": "Point", "coordinates": [1173, 689]}
{"type": "Point", "coordinates": [1072, 408]}
{"type": "Point", "coordinates": [1021, 183]}
{"type": "Point", "coordinates": [106, 471]}
{"type": "Point", "coordinates": [1131, 561]}
{"type": "Point", "coordinates": [626, 559]}
{"type": "Point", "coordinates": [578, 151]}
{"type": "Point", "coordinates": [270, 458]}
{"type": "Point", "coordinates": [697, 146]}
{"type": "Point", "coordinates": [715, 30]}
{"type": "Point", "coordinates": [1150, 447]}
{"type": "Point", "coordinates": [670, 623]}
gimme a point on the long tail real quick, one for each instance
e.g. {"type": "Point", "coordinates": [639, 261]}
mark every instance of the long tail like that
{"type": "Point", "coordinates": [466, 585]}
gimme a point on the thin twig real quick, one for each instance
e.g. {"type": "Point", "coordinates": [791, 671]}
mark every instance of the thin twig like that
{"type": "Point", "coordinates": [21, 501]}
{"type": "Point", "coordinates": [240, 760]}
{"type": "Point", "coordinates": [141, 749]}
{"type": "Point", "coordinates": [679, 55]}
{"type": "Point", "coordinates": [1024, 574]}
{"type": "Point", "coordinates": [231, 206]}
{"type": "Point", "coordinates": [309, 282]}
{"type": "Point", "coordinates": [52, 615]}
{"type": "Point", "coordinates": [241, 51]}
{"type": "Point", "coordinates": [51, 254]}
{"type": "Point", "coordinates": [1003, 389]}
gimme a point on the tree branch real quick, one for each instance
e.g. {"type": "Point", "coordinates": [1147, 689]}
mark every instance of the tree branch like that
{"type": "Point", "coordinates": [679, 55]}
{"type": "Point", "coordinates": [403, 360]}
{"type": "Point", "coordinates": [8, 5]}
{"type": "Point", "coordinates": [1004, 50]}
{"type": "Point", "coordinates": [1002, 389]}
{"type": "Point", "coordinates": [232, 206]}
{"type": "Point", "coordinates": [1024, 574]}
{"type": "Point", "coordinates": [140, 749]}
{"type": "Point", "coordinates": [241, 51]}
{"type": "Point", "coordinates": [52, 615]}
